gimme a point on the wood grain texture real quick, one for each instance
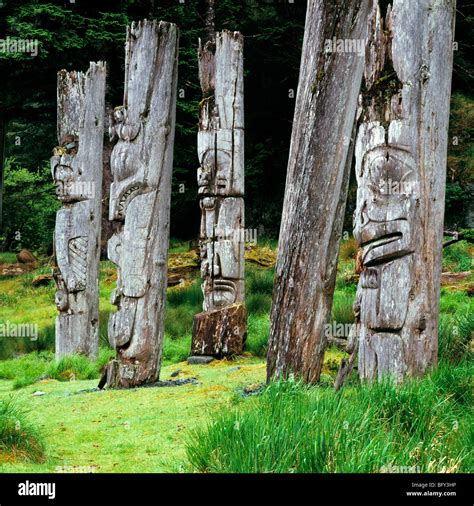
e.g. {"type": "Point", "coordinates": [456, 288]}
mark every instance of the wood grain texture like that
{"type": "Point", "coordinates": [221, 332]}
{"type": "Point", "coordinates": [142, 163]}
{"type": "Point", "coordinates": [316, 188]}
{"type": "Point", "coordinates": [77, 172]}
{"type": "Point", "coordinates": [401, 168]}
{"type": "Point", "coordinates": [221, 179]}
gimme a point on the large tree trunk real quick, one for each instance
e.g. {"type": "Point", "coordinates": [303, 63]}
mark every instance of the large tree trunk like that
{"type": "Point", "coordinates": [221, 190]}
{"type": "Point", "coordinates": [77, 172]}
{"type": "Point", "coordinates": [316, 187]}
{"type": "Point", "coordinates": [142, 163]}
{"type": "Point", "coordinates": [400, 168]}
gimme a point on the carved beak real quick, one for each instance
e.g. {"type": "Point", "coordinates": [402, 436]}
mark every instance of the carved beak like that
{"type": "Point", "coordinates": [382, 242]}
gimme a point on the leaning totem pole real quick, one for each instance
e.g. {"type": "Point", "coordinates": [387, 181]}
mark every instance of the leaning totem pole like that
{"type": "Point", "coordinates": [401, 168]}
{"type": "Point", "coordinates": [77, 172]}
{"type": "Point", "coordinates": [142, 162]}
{"type": "Point", "coordinates": [220, 329]}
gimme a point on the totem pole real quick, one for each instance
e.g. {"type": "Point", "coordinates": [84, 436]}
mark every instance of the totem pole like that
{"type": "Point", "coordinates": [400, 168]}
{"type": "Point", "coordinates": [142, 163]}
{"type": "Point", "coordinates": [77, 172]}
{"type": "Point", "coordinates": [220, 330]}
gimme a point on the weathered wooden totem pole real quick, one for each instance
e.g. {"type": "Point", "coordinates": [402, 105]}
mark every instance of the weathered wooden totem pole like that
{"type": "Point", "coordinates": [220, 330]}
{"type": "Point", "coordinates": [77, 172]}
{"type": "Point", "coordinates": [316, 188]}
{"type": "Point", "coordinates": [400, 168]}
{"type": "Point", "coordinates": [142, 162]}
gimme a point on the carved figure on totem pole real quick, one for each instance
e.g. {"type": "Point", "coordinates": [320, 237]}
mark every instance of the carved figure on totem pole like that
{"type": "Point", "coordinates": [77, 172]}
{"type": "Point", "coordinates": [141, 164]}
{"type": "Point", "coordinates": [220, 179]}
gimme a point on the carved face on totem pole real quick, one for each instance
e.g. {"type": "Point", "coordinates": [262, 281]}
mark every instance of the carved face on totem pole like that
{"type": "Point", "coordinates": [72, 250]}
{"type": "Point", "coordinates": [214, 174]}
{"type": "Point", "coordinates": [67, 175]}
{"type": "Point", "coordinates": [221, 252]}
{"type": "Point", "coordinates": [387, 201]}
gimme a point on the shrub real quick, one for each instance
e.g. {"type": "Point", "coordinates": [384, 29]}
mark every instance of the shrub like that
{"type": "Point", "coordinates": [468, 234]}
{"type": "Point", "coordinates": [18, 437]}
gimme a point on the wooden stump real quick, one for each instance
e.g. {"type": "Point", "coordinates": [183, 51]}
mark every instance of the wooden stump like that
{"type": "Point", "coordinates": [77, 172]}
{"type": "Point", "coordinates": [221, 332]}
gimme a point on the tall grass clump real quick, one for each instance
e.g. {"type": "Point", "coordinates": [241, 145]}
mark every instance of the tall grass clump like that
{"type": "Point", "coordinates": [73, 367]}
{"type": "Point", "coordinates": [18, 437]}
{"type": "Point", "coordinates": [296, 428]}
{"type": "Point", "coordinates": [455, 335]}
{"type": "Point", "coordinates": [26, 369]}
{"type": "Point", "coordinates": [342, 311]}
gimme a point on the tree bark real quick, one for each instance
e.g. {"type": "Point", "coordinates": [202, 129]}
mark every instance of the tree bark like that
{"type": "Point", "coordinates": [316, 187]}
{"type": "Point", "coordinates": [401, 168]}
{"type": "Point", "coordinates": [142, 163]}
{"type": "Point", "coordinates": [77, 172]}
{"type": "Point", "coordinates": [221, 182]}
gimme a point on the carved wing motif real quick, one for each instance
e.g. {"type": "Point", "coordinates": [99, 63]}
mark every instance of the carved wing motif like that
{"type": "Point", "coordinates": [77, 250]}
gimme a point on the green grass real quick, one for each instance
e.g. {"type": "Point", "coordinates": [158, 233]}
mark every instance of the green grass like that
{"type": "Point", "coordinates": [258, 290]}
{"type": "Point", "coordinates": [137, 430]}
{"type": "Point", "coordinates": [455, 336]}
{"type": "Point", "coordinates": [19, 439]}
{"type": "Point", "coordinates": [257, 335]}
{"type": "Point", "coordinates": [176, 350]}
{"type": "Point", "coordinates": [457, 257]}
{"type": "Point", "coordinates": [29, 368]}
{"type": "Point", "coordinates": [290, 428]}
{"type": "Point", "coordinates": [342, 311]}
{"type": "Point", "coordinates": [7, 257]}
{"type": "Point", "coordinates": [295, 428]}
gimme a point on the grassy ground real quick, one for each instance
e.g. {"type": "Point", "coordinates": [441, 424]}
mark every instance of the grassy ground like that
{"type": "Point", "coordinates": [141, 430]}
{"type": "Point", "coordinates": [156, 429]}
